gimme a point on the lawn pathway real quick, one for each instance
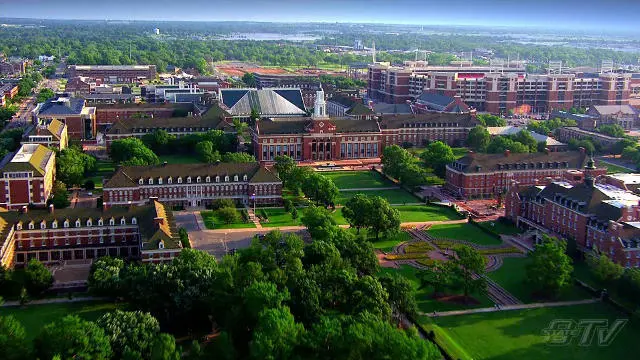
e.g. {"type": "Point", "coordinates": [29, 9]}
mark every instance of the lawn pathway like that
{"type": "Point", "coordinates": [252, 216]}
{"type": "Point", "coordinates": [510, 307]}
{"type": "Point", "coordinates": [371, 189]}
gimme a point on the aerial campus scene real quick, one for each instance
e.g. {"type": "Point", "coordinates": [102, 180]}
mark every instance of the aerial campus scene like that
{"type": "Point", "coordinates": [319, 180]}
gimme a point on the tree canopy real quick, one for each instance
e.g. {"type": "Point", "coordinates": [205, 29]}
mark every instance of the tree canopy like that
{"type": "Point", "coordinates": [549, 270]}
{"type": "Point", "coordinates": [132, 151]}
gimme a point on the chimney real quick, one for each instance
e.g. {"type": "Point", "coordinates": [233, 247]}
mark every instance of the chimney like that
{"type": "Point", "coordinates": [51, 209]}
{"type": "Point", "coordinates": [582, 150]}
{"type": "Point", "coordinates": [507, 152]}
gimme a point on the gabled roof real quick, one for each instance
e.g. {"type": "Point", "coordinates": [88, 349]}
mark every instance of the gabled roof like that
{"type": "Point", "coordinates": [62, 106]}
{"type": "Point", "coordinates": [212, 119]}
{"type": "Point", "coordinates": [128, 176]}
{"type": "Point", "coordinates": [267, 127]}
{"type": "Point", "coordinates": [267, 102]}
{"type": "Point", "coordinates": [30, 157]}
{"type": "Point", "coordinates": [434, 99]}
{"type": "Point", "coordinates": [427, 120]}
{"type": "Point", "coordinates": [614, 109]}
{"type": "Point", "coordinates": [478, 162]}
{"type": "Point", "coordinates": [345, 126]}
{"type": "Point", "coordinates": [384, 108]}
{"type": "Point", "coordinates": [360, 109]}
{"type": "Point", "coordinates": [54, 128]}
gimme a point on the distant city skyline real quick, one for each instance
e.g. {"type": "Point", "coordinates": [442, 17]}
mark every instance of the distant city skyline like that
{"type": "Point", "coordinates": [593, 15]}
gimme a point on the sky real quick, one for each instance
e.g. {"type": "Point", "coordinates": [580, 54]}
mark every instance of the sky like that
{"type": "Point", "coordinates": [578, 14]}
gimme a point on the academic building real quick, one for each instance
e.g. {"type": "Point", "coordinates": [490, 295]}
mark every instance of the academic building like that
{"type": "Point", "coordinates": [113, 74]}
{"type": "Point", "coordinates": [488, 175]}
{"type": "Point", "coordinates": [147, 232]}
{"type": "Point", "coordinates": [80, 119]}
{"type": "Point", "coordinates": [600, 218]}
{"type": "Point", "coordinates": [26, 177]}
{"type": "Point", "coordinates": [193, 185]}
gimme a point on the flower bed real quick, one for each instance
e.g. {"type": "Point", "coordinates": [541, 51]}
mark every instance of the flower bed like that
{"type": "Point", "coordinates": [418, 247]}
{"type": "Point", "coordinates": [406, 256]}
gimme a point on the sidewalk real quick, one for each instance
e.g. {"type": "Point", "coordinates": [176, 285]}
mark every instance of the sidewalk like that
{"type": "Point", "coordinates": [54, 301]}
{"type": "Point", "coordinates": [252, 216]}
{"type": "Point", "coordinates": [511, 307]}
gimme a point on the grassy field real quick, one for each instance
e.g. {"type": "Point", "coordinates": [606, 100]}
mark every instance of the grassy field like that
{"type": "Point", "coordinates": [465, 232]}
{"type": "Point", "coordinates": [582, 272]}
{"type": "Point", "coordinates": [417, 213]}
{"type": "Point", "coordinates": [519, 334]}
{"type": "Point", "coordinates": [357, 179]}
{"type": "Point", "coordinates": [212, 221]}
{"type": "Point", "coordinates": [500, 227]}
{"type": "Point", "coordinates": [612, 168]}
{"type": "Point", "coordinates": [34, 317]}
{"type": "Point", "coordinates": [387, 243]}
{"type": "Point", "coordinates": [395, 196]}
{"type": "Point", "coordinates": [104, 169]}
{"type": "Point", "coordinates": [179, 159]}
{"type": "Point", "coordinates": [511, 276]}
{"type": "Point", "coordinates": [279, 217]}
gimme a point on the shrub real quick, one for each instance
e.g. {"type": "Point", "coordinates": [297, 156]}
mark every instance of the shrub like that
{"type": "Point", "coordinates": [504, 250]}
{"type": "Point", "coordinates": [406, 256]}
{"type": "Point", "coordinates": [287, 205]}
{"type": "Point", "coordinates": [263, 214]}
{"type": "Point", "coordinates": [37, 278]}
{"type": "Point", "coordinates": [223, 203]}
{"type": "Point", "coordinates": [427, 262]}
{"type": "Point", "coordinates": [418, 247]}
{"type": "Point", "coordinates": [228, 215]}
{"type": "Point", "coordinates": [245, 215]}
{"type": "Point", "coordinates": [184, 238]}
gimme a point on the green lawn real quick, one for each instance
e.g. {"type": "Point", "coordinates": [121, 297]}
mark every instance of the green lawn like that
{"type": "Point", "coordinates": [212, 221]}
{"type": "Point", "coordinates": [34, 317]}
{"type": "Point", "coordinates": [279, 217]}
{"type": "Point", "coordinates": [395, 196]}
{"type": "Point", "coordinates": [423, 296]}
{"type": "Point", "coordinates": [104, 169]}
{"type": "Point", "coordinates": [417, 213]}
{"type": "Point", "coordinates": [179, 159]}
{"type": "Point", "coordinates": [612, 168]}
{"type": "Point", "coordinates": [519, 334]}
{"type": "Point", "coordinates": [582, 272]}
{"type": "Point", "coordinates": [357, 179]}
{"type": "Point", "coordinates": [511, 276]}
{"type": "Point", "coordinates": [387, 243]}
{"type": "Point", "coordinates": [466, 231]}
{"type": "Point", "coordinates": [500, 227]}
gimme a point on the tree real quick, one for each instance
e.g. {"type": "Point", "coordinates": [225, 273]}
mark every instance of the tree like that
{"type": "Point", "coordinates": [621, 145]}
{"type": "Point", "coordinates": [467, 264]}
{"type": "Point", "coordinates": [163, 347]}
{"type": "Point", "coordinates": [73, 165]}
{"type": "Point", "coordinates": [130, 333]}
{"type": "Point", "coordinates": [525, 138]}
{"type": "Point", "coordinates": [206, 153]}
{"type": "Point", "coordinates": [320, 189]}
{"type": "Point", "coordinates": [72, 338]}
{"type": "Point", "coordinates": [132, 151]}
{"type": "Point", "coordinates": [284, 165]}
{"type": "Point", "coordinates": [37, 278]}
{"type": "Point", "coordinates": [437, 155]}
{"type": "Point", "coordinates": [44, 95]}
{"type": "Point", "coordinates": [60, 198]}
{"type": "Point", "coordinates": [239, 157]}
{"type": "Point", "coordinates": [276, 335]}
{"type": "Point", "coordinates": [13, 339]}
{"type": "Point", "coordinates": [613, 130]}
{"type": "Point", "coordinates": [6, 113]}
{"type": "Point", "coordinates": [228, 215]}
{"type": "Point", "coordinates": [318, 222]}
{"type": "Point", "coordinates": [356, 211]}
{"type": "Point", "coordinates": [383, 217]}
{"type": "Point", "coordinates": [104, 278]}
{"type": "Point", "coordinates": [478, 138]}
{"type": "Point", "coordinates": [401, 294]}
{"type": "Point", "coordinates": [159, 141]}
{"type": "Point", "coordinates": [297, 177]}
{"type": "Point", "coordinates": [604, 269]}
{"type": "Point", "coordinates": [249, 79]}
{"type": "Point", "coordinates": [488, 120]}
{"type": "Point", "coordinates": [438, 276]}
{"type": "Point", "coordinates": [394, 159]}
{"type": "Point", "coordinates": [223, 203]}
{"type": "Point", "coordinates": [413, 176]}
{"type": "Point", "coordinates": [549, 269]}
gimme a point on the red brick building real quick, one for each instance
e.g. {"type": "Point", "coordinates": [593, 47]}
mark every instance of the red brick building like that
{"type": "Point", "coordinates": [79, 118]}
{"type": "Point", "coordinates": [146, 232]}
{"type": "Point", "coordinates": [114, 74]}
{"type": "Point", "coordinates": [78, 85]}
{"type": "Point", "coordinates": [27, 177]}
{"type": "Point", "coordinates": [10, 90]}
{"type": "Point", "coordinates": [488, 175]}
{"type": "Point", "coordinates": [193, 185]}
{"type": "Point", "coordinates": [600, 218]}
{"type": "Point", "coordinates": [112, 113]}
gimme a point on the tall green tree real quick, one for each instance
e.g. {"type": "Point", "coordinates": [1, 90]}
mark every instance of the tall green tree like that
{"type": "Point", "coordinates": [320, 189]}
{"type": "Point", "coordinates": [104, 278]}
{"type": "Point", "coordinates": [132, 151]}
{"type": "Point", "coordinates": [73, 166]}
{"type": "Point", "coordinates": [319, 222]}
{"type": "Point", "coordinates": [37, 278]}
{"type": "Point", "coordinates": [357, 211]}
{"type": "Point", "coordinates": [284, 165]}
{"type": "Point", "coordinates": [239, 157]}
{"type": "Point", "coordinates": [72, 338]}
{"type": "Point", "coordinates": [478, 138]}
{"type": "Point", "coordinates": [130, 333]}
{"type": "Point", "coordinates": [436, 156]}
{"type": "Point", "coordinates": [13, 339]}
{"type": "Point", "coordinates": [438, 277]}
{"type": "Point", "coordinates": [384, 218]}
{"type": "Point", "coordinates": [468, 263]}
{"type": "Point", "coordinates": [276, 335]}
{"type": "Point", "coordinates": [604, 269]}
{"type": "Point", "coordinates": [394, 159]}
{"type": "Point", "coordinates": [549, 270]}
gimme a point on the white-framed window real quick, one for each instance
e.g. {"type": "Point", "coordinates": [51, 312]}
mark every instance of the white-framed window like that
{"type": "Point", "coordinates": [150, 181]}
{"type": "Point", "coordinates": [66, 223]}
{"type": "Point", "coordinates": [235, 178]}
{"type": "Point", "coordinates": [100, 222]}
{"type": "Point", "coordinates": [123, 221]}
{"type": "Point", "coordinates": [198, 179]}
{"type": "Point", "coordinates": [112, 221]}
{"type": "Point", "coordinates": [78, 223]}
{"type": "Point", "coordinates": [189, 180]}
{"type": "Point", "coordinates": [244, 178]}
{"type": "Point", "coordinates": [170, 180]}
{"type": "Point", "coordinates": [161, 245]}
{"type": "Point", "coordinates": [159, 181]}
{"type": "Point", "coordinates": [179, 180]}
{"type": "Point", "coordinates": [217, 178]}
{"type": "Point", "coordinates": [141, 182]}
{"type": "Point", "coordinates": [134, 221]}
{"type": "Point", "coordinates": [19, 227]}
{"type": "Point", "coordinates": [54, 224]}
{"type": "Point", "coordinates": [208, 179]}
{"type": "Point", "coordinates": [31, 227]}
{"type": "Point", "coordinates": [226, 178]}
{"type": "Point", "coordinates": [89, 223]}
{"type": "Point", "coordinates": [43, 225]}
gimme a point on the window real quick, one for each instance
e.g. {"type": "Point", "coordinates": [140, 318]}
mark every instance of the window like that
{"type": "Point", "coordinates": [89, 223]}
{"type": "Point", "coordinates": [208, 179]}
{"type": "Point", "coordinates": [244, 178]}
{"type": "Point", "coordinates": [134, 221]}
{"type": "Point", "coordinates": [159, 181]}
{"type": "Point", "coordinates": [19, 227]}
{"type": "Point", "coordinates": [112, 221]}
{"type": "Point", "coordinates": [43, 225]}
{"type": "Point", "coordinates": [123, 221]}
{"type": "Point", "coordinates": [54, 224]}
{"type": "Point", "coordinates": [235, 178]}
{"type": "Point", "coordinates": [179, 180]}
{"type": "Point", "coordinates": [189, 180]}
{"type": "Point", "coordinates": [66, 223]}
{"type": "Point", "coordinates": [78, 223]}
{"type": "Point", "coordinates": [226, 178]}
{"type": "Point", "coordinates": [150, 181]}
{"type": "Point", "coordinates": [161, 245]}
{"type": "Point", "coordinates": [217, 178]}
{"type": "Point", "coordinates": [141, 182]}
{"type": "Point", "coordinates": [100, 222]}
{"type": "Point", "coordinates": [170, 180]}
{"type": "Point", "coordinates": [31, 226]}
{"type": "Point", "coordinates": [198, 179]}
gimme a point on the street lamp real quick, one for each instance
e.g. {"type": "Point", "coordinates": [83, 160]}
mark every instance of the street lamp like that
{"type": "Point", "coordinates": [253, 197]}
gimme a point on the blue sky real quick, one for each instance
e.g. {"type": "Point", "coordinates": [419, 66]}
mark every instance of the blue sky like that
{"type": "Point", "coordinates": [586, 14]}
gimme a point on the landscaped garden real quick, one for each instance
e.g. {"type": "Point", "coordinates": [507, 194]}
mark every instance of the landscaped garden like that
{"type": "Point", "coordinates": [393, 196]}
{"type": "Point", "coordinates": [418, 213]}
{"type": "Point", "coordinates": [520, 334]}
{"type": "Point", "coordinates": [216, 220]}
{"type": "Point", "coordinates": [465, 231]}
{"type": "Point", "coordinates": [358, 179]}
{"type": "Point", "coordinates": [500, 227]}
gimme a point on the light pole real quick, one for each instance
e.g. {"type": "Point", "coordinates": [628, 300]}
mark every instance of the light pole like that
{"type": "Point", "coordinates": [253, 196]}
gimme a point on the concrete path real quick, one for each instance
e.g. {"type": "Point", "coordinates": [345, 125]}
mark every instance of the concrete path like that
{"type": "Point", "coordinates": [54, 301]}
{"type": "Point", "coordinates": [511, 307]}
{"type": "Point", "coordinates": [253, 218]}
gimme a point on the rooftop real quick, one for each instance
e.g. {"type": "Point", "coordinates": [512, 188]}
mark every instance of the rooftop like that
{"type": "Point", "coordinates": [267, 102]}
{"type": "Point", "coordinates": [62, 106]}
{"type": "Point", "coordinates": [112, 67]}
{"type": "Point", "coordinates": [30, 157]}
{"type": "Point", "coordinates": [614, 109]}
{"type": "Point", "coordinates": [478, 162]}
{"type": "Point", "coordinates": [513, 130]}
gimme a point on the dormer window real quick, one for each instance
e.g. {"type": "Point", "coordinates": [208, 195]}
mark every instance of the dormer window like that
{"type": "Point", "coordinates": [134, 221]}
{"type": "Point", "coordinates": [43, 225]}
{"type": "Point", "coordinates": [112, 221]}
{"type": "Point", "coordinates": [179, 180]}
{"type": "Point", "coordinates": [161, 245]}
{"type": "Point", "coordinates": [89, 223]}
{"type": "Point", "coordinates": [169, 180]}
{"type": "Point", "coordinates": [189, 180]}
{"type": "Point", "coordinates": [150, 181]}
{"type": "Point", "coordinates": [208, 179]}
{"type": "Point", "coordinates": [226, 178]}
{"type": "Point", "coordinates": [100, 222]}
{"type": "Point", "coordinates": [159, 181]}
{"type": "Point", "coordinates": [66, 223]}
{"type": "Point", "coordinates": [123, 221]}
{"type": "Point", "coordinates": [54, 224]}
{"type": "Point", "coordinates": [31, 227]}
{"type": "Point", "coordinates": [217, 178]}
{"type": "Point", "coordinates": [244, 178]}
{"type": "Point", "coordinates": [235, 178]}
{"type": "Point", "coordinates": [78, 223]}
{"type": "Point", "coordinates": [198, 179]}
{"type": "Point", "coordinates": [19, 226]}
{"type": "Point", "coordinates": [141, 182]}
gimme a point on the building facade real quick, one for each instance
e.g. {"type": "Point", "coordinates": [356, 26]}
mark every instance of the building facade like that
{"type": "Point", "coordinates": [147, 232]}
{"type": "Point", "coordinates": [113, 74]}
{"type": "Point", "coordinates": [193, 185]}
{"type": "Point", "coordinates": [602, 219]}
{"type": "Point", "coordinates": [488, 175]}
{"type": "Point", "coordinates": [27, 177]}
{"type": "Point", "coordinates": [73, 112]}
{"type": "Point", "coordinates": [52, 134]}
